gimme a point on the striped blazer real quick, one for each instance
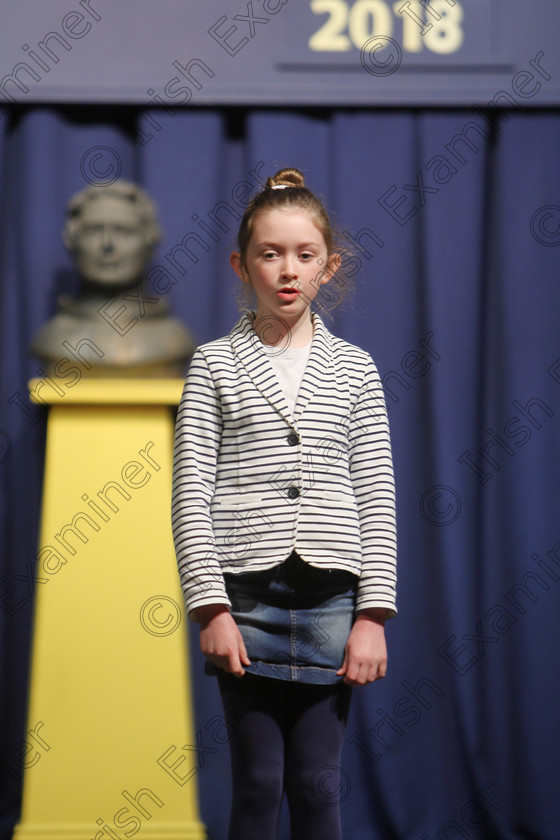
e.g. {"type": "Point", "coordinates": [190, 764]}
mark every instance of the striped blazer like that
{"type": "Point", "coordinates": [252, 482]}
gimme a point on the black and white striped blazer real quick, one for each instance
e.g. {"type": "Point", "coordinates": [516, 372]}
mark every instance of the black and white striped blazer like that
{"type": "Point", "coordinates": [252, 482]}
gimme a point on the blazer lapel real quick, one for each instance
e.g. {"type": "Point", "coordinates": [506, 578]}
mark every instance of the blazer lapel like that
{"type": "Point", "coordinates": [318, 365]}
{"type": "Point", "coordinates": [248, 347]}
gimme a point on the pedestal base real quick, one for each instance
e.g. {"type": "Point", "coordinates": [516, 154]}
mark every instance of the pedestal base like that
{"type": "Point", "coordinates": [111, 749]}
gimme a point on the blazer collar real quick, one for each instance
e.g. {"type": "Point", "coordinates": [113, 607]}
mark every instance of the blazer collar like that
{"type": "Point", "coordinates": [248, 347]}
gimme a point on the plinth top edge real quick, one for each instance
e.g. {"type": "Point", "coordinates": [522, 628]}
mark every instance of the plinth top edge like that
{"type": "Point", "coordinates": [46, 391]}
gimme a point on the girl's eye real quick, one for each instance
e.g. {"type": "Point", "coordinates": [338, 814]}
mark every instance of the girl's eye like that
{"type": "Point", "coordinates": [269, 255]}
{"type": "Point", "coordinates": [306, 256]}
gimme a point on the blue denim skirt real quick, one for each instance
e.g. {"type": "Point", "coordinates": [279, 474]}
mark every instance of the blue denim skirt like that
{"type": "Point", "coordinates": [295, 620]}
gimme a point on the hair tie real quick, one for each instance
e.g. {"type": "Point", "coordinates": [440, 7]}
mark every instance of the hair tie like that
{"type": "Point", "coordinates": [280, 186]}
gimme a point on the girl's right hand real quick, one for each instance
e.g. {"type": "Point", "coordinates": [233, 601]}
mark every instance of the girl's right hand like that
{"type": "Point", "coordinates": [220, 639]}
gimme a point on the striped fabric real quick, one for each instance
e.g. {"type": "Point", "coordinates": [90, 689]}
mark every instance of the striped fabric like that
{"type": "Point", "coordinates": [252, 482]}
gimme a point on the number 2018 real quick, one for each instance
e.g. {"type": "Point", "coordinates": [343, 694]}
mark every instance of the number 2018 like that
{"type": "Point", "coordinates": [436, 25]}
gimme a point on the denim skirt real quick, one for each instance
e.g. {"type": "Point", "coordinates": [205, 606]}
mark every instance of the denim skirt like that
{"type": "Point", "coordinates": [294, 619]}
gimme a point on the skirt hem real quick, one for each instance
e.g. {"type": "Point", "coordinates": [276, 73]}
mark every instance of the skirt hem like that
{"type": "Point", "coordinates": [279, 671]}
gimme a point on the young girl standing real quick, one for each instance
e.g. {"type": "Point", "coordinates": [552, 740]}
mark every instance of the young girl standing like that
{"type": "Point", "coordinates": [284, 520]}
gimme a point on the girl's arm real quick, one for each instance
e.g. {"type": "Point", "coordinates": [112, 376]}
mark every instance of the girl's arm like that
{"type": "Point", "coordinates": [371, 472]}
{"type": "Point", "coordinates": [197, 442]}
{"type": "Point", "coordinates": [371, 469]}
{"type": "Point", "coordinates": [198, 434]}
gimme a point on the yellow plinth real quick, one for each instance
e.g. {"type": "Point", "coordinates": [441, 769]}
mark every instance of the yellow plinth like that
{"type": "Point", "coordinates": [111, 746]}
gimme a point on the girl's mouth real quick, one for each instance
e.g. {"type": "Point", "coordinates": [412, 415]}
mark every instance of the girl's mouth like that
{"type": "Point", "coordinates": [288, 293]}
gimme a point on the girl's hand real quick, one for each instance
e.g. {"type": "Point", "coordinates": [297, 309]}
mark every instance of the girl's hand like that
{"type": "Point", "coordinates": [220, 639]}
{"type": "Point", "coordinates": [365, 654]}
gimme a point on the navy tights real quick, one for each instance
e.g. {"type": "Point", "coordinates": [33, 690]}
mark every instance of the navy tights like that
{"type": "Point", "coordinates": [285, 737]}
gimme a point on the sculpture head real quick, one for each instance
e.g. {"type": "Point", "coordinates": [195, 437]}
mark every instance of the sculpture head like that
{"type": "Point", "coordinates": [111, 232]}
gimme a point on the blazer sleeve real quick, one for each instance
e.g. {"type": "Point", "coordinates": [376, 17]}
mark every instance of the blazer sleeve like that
{"type": "Point", "coordinates": [197, 442]}
{"type": "Point", "coordinates": [371, 470]}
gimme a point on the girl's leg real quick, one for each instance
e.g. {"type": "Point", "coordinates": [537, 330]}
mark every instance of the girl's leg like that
{"type": "Point", "coordinates": [314, 786]}
{"type": "Point", "coordinates": [255, 710]}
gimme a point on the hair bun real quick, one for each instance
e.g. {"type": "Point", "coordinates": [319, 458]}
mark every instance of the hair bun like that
{"type": "Point", "coordinates": [286, 178]}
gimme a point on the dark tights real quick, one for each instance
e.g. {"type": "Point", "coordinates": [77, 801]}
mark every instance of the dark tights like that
{"type": "Point", "coordinates": [285, 736]}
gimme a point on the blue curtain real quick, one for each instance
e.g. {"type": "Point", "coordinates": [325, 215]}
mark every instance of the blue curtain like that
{"type": "Point", "coordinates": [455, 222]}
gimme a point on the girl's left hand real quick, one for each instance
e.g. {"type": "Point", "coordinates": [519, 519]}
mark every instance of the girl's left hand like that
{"type": "Point", "coordinates": [365, 654]}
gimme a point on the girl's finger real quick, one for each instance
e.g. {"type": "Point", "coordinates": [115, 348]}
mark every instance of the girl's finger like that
{"type": "Point", "coordinates": [342, 670]}
{"type": "Point", "coordinates": [243, 656]}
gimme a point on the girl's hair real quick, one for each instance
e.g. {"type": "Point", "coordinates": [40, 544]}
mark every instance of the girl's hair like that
{"type": "Point", "coordinates": [285, 189]}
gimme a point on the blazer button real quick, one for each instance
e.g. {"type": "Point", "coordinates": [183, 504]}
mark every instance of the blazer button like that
{"type": "Point", "coordinates": [293, 439]}
{"type": "Point", "coordinates": [293, 492]}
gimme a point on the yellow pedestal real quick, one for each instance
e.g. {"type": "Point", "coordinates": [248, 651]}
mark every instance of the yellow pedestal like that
{"type": "Point", "coordinates": [111, 750]}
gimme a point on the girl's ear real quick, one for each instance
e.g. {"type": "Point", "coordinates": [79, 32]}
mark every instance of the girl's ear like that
{"type": "Point", "coordinates": [333, 264]}
{"type": "Point", "coordinates": [235, 262]}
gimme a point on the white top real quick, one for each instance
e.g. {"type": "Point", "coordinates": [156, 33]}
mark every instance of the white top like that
{"type": "Point", "coordinates": [289, 366]}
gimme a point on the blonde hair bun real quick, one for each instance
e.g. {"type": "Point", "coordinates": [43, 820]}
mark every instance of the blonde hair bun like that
{"type": "Point", "coordinates": [286, 178]}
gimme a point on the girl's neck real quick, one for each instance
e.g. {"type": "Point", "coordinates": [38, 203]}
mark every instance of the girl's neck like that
{"type": "Point", "coordinates": [297, 333]}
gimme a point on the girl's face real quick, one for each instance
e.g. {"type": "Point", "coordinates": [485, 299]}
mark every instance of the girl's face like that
{"type": "Point", "coordinates": [286, 263]}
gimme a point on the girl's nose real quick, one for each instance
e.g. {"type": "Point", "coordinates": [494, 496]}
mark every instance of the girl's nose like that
{"type": "Point", "coordinates": [289, 268]}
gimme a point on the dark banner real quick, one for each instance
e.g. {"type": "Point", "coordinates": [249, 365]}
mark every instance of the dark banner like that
{"type": "Point", "coordinates": [293, 52]}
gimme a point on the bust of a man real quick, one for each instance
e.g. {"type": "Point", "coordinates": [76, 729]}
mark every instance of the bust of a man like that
{"type": "Point", "coordinates": [116, 325]}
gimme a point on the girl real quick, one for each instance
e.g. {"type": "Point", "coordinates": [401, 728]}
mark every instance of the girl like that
{"type": "Point", "coordinates": [284, 520]}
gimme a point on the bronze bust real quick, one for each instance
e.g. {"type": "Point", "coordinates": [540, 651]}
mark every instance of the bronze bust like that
{"type": "Point", "coordinates": [123, 329]}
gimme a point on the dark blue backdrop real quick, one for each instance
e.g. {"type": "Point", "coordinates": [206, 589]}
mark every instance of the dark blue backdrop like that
{"type": "Point", "coordinates": [457, 298]}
